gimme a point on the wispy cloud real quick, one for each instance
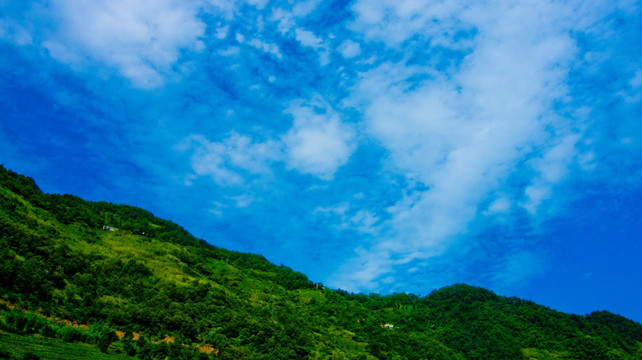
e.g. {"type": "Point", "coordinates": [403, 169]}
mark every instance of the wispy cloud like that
{"type": "Point", "coordinates": [462, 131]}
{"type": "Point", "coordinates": [394, 22]}
{"type": "Point", "coordinates": [141, 44]}
{"type": "Point", "coordinates": [269, 48]}
{"type": "Point", "coordinates": [229, 160]}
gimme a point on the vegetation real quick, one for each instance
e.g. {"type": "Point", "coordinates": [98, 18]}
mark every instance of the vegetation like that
{"type": "Point", "coordinates": [16, 346]}
{"type": "Point", "coordinates": [98, 278]}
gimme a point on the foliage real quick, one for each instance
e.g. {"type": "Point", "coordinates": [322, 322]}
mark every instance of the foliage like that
{"type": "Point", "coordinates": [16, 347]}
{"type": "Point", "coordinates": [117, 268]}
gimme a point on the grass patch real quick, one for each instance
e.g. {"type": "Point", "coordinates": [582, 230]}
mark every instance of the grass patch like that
{"type": "Point", "coordinates": [16, 346]}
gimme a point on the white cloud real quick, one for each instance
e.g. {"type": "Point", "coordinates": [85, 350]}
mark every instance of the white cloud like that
{"type": "Point", "coordinates": [317, 143]}
{"type": "Point", "coordinates": [284, 18]}
{"type": "Point", "coordinates": [227, 8]}
{"type": "Point", "coordinates": [288, 25]}
{"type": "Point", "coordinates": [221, 32]}
{"type": "Point", "coordinates": [242, 201]}
{"type": "Point", "coordinates": [461, 133]}
{"type": "Point", "coordinates": [536, 194]}
{"type": "Point", "coordinates": [587, 161]}
{"type": "Point", "coordinates": [230, 51]}
{"type": "Point", "coordinates": [553, 167]}
{"type": "Point", "coordinates": [346, 217]}
{"type": "Point", "coordinates": [633, 93]}
{"type": "Point", "coordinates": [141, 39]}
{"type": "Point", "coordinates": [268, 48]}
{"type": "Point", "coordinates": [339, 209]}
{"type": "Point", "coordinates": [500, 206]}
{"type": "Point", "coordinates": [260, 4]}
{"type": "Point", "coordinates": [227, 161]}
{"type": "Point", "coordinates": [349, 49]}
{"type": "Point", "coordinates": [364, 221]}
{"type": "Point", "coordinates": [304, 8]}
{"type": "Point", "coordinates": [395, 21]}
{"type": "Point", "coordinates": [307, 38]}
{"type": "Point", "coordinates": [287, 18]}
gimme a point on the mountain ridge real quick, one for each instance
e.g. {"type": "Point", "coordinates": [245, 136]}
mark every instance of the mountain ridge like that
{"type": "Point", "coordinates": [118, 268]}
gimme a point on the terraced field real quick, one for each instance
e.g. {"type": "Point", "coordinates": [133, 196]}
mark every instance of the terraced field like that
{"type": "Point", "coordinates": [14, 346]}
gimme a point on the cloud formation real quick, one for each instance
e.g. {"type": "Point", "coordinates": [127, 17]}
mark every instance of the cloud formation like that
{"type": "Point", "coordinates": [141, 39]}
{"type": "Point", "coordinates": [462, 130]}
{"type": "Point", "coordinates": [231, 160]}
{"type": "Point", "coordinates": [318, 142]}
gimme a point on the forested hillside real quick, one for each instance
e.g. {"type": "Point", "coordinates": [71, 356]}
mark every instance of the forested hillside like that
{"type": "Point", "coordinates": [118, 280]}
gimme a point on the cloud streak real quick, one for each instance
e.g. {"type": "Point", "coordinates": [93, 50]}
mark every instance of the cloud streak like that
{"type": "Point", "coordinates": [462, 131]}
{"type": "Point", "coordinates": [231, 160]}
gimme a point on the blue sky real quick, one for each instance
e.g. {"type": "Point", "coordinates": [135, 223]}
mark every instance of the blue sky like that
{"type": "Point", "coordinates": [378, 145]}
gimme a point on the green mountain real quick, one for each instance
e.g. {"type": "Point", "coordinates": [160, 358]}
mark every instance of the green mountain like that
{"type": "Point", "coordinates": [82, 279]}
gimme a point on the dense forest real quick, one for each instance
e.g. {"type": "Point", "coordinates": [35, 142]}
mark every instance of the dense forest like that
{"type": "Point", "coordinates": [120, 281]}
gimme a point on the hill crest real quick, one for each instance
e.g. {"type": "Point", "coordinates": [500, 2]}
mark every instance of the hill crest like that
{"type": "Point", "coordinates": [120, 270]}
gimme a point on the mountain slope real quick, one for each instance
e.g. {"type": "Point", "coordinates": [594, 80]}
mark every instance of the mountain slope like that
{"type": "Point", "coordinates": [143, 286]}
